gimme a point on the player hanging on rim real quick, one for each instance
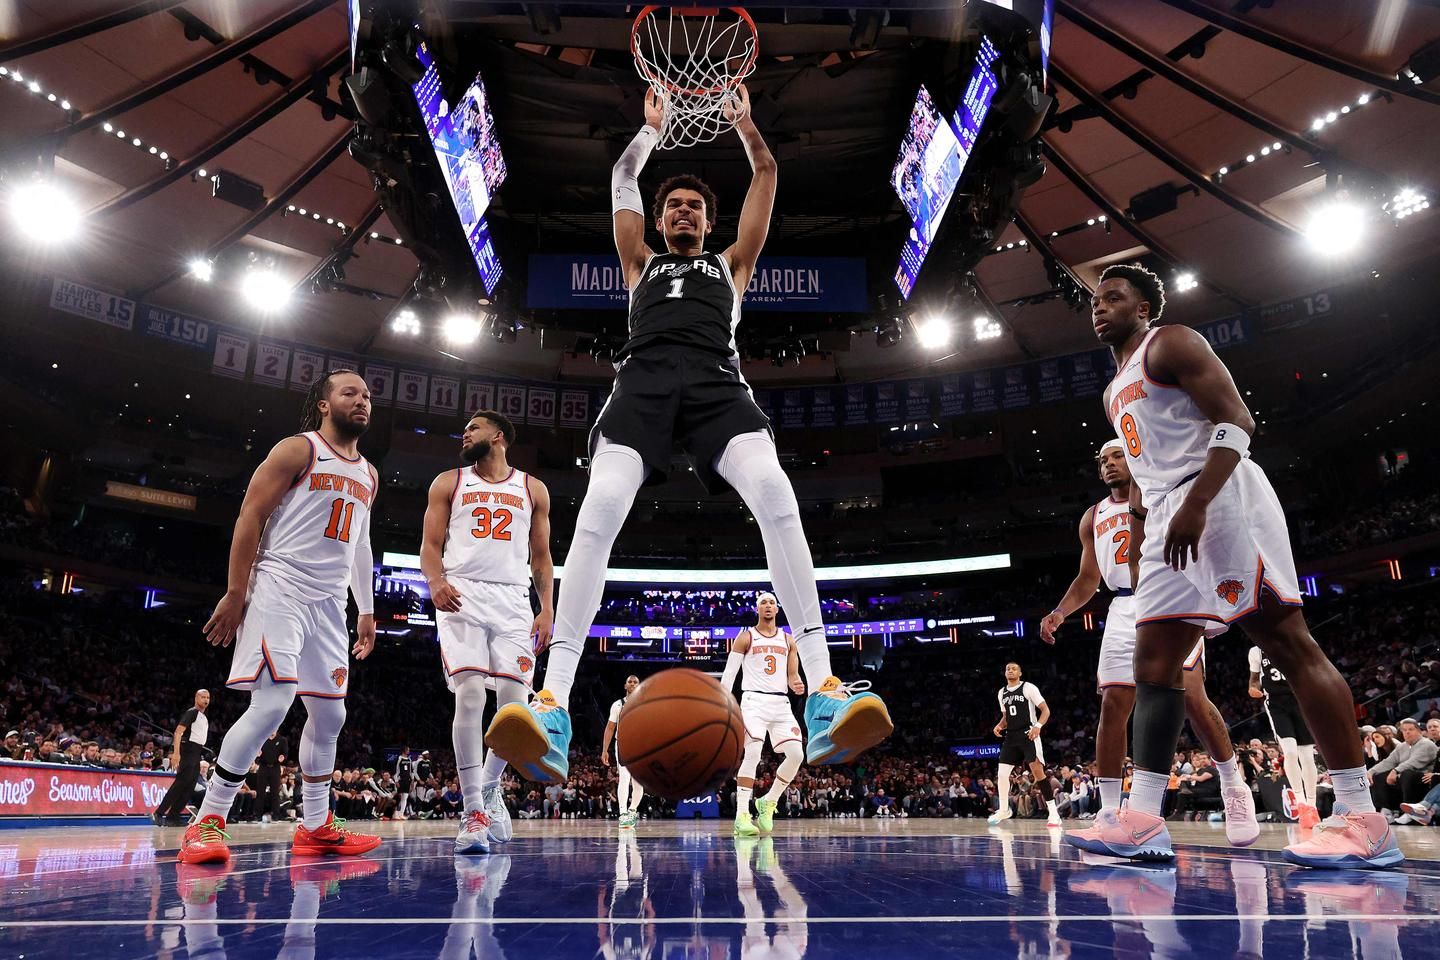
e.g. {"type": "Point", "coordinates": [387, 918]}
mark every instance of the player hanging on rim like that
{"type": "Point", "coordinates": [302, 538]}
{"type": "Point", "coordinates": [1023, 713]}
{"type": "Point", "coordinates": [487, 536]}
{"type": "Point", "coordinates": [765, 658]}
{"type": "Point", "coordinates": [628, 793]}
{"type": "Point", "coordinates": [678, 380]}
{"type": "Point", "coordinates": [1297, 745]}
{"type": "Point", "coordinates": [1106, 555]}
{"type": "Point", "coordinates": [1220, 554]}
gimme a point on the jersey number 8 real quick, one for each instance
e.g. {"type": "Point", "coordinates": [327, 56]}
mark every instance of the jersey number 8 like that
{"type": "Point", "coordinates": [1132, 438]}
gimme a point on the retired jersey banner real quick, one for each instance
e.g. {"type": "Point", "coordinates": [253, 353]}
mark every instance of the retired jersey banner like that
{"type": "Point", "coordinates": [983, 398]}
{"type": "Point", "coordinates": [412, 393]}
{"type": "Point", "coordinates": [1017, 388]}
{"type": "Point", "coordinates": [917, 400]}
{"type": "Point", "coordinates": [574, 408]}
{"type": "Point", "coordinates": [540, 406]}
{"type": "Point", "coordinates": [887, 402]}
{"type": "Point", "coordinates": [232, 355]}
{"type": "Point", "coordinates": [53, 790]}
{"type": "Point", "coordinates": [305, 368]}
{"type": "Point", "coordinates": [479, 395]}
{"type": "Point", "coordinates": [341, 362]}
{"type": "Point", "coordinates": [584, 281]}
{"type": "Point", "coordinates": [382, 384]}
{"type": "Point", "coordinates": [272, 364]}
{"type": "Point", "coordinates": [822, 407]}
{"type": "Point", "coordinates": [444, 395]}
{"type": "Point", "coordinates": [510, 400]}
{"type": "Point", "coordinates": [92, 303]}
{"type": "Point", "coordinates": [952, 396]}
{"type": "Point", "coordinates": [857, 404]}
{"type": "Point", "coordinates": [175, 327]}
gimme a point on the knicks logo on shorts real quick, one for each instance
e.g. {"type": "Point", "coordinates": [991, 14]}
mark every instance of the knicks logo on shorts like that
{"type": "Point", "coordinates": [795, 730]}
{"type": "Point", "coordinates": [338, 675]}
{"type": "Point", "coordinates": [1230, 590]}
{"type": "Point", "coordinates": [524, 663]}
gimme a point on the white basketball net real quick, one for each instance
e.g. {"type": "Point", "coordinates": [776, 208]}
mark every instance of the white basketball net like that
{"type": "Point", "coordinates": [694, 59]}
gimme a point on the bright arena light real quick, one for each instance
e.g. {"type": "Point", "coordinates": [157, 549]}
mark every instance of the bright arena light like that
{"type": "Point", "coordinates": [461, 329]}
{"type": "Point", "coordinates": [935, 332]}
{"type": "Point", "coordinates": [986, 328]}
{"type": "Point", "coordinates": [1335, 228]}
{"type": "Point", "coordinates": [202, 269]}
{"type": "Point", "coordinates": [44, 213]}
{"type": "Point", "coordinates": [1185, 282]}
{"type": "Point", "coordinates": [405, 322]}
{"type": "Point", "coordinates": [265, 290]}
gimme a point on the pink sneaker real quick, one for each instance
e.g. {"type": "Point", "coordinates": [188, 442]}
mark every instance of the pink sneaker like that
{"type": "Point", "coordinates": [1241, 827]}
{"type": "Point", "coordinates": [1126, 833]}
{"type": "Point", "coordinates": [1346, 839]}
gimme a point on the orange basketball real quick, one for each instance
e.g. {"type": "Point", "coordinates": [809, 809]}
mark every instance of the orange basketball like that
{"type": "Point", "coordinates": [680, 735]}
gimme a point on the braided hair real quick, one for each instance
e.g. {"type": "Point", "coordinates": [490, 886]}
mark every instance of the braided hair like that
{"type": "Point", "coordinates": [310, 418]}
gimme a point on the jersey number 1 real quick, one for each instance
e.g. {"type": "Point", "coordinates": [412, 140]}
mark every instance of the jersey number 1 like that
{"type": "Point", "coordinates": [338, 529]}
{"type": "Point", "coordinates": [677, 288]}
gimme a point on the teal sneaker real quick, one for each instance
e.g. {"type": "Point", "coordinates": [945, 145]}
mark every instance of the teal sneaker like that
{"type": "Point", "coordinates": [533, 738]}
{"type": "Point", "coordinates": [843, 721]}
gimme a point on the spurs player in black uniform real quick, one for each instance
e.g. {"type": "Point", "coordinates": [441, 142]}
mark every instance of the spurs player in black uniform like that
{"type": "Point", "coordinates": [1297, 744]}
{"type": "Point", "coordinates": [1023, 713]}
{"type": "Point", "coordinates": [678, 381]}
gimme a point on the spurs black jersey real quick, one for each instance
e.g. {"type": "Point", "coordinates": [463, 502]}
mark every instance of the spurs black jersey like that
{"type": "Point", "coordinates": [684, 300]}
{"type": "Point", "coordinates": [1272, 681]}
{"type": "Point", "coordinates": [1020, 705]}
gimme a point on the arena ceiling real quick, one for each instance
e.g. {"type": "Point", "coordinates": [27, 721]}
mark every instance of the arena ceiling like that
{"type": "Point", "coordinates": [1151, 93]}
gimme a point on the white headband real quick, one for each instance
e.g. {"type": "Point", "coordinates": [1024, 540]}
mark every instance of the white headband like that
{"type": "Point", "coordinates": [761, 597]}
{"type": "Point", "coordinates": [1111, 445]}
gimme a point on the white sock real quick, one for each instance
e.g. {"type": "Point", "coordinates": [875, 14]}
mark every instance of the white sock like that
{"type": "Point", "coordinates": [1111, 790]}
{"type": "Point", "coordinates": [1003, 784]}
{"type": "Point", "coordinates": [1050, 807]}
{"type": "Point", "coordinates": [616, 473]}
{"type": "Point", "coordinates": [1147, 791]}
{"type": "Point", "coordinates": [1308, 774]}
{"type": "Point", "coordinates": [751, 465]}
{"type": "Point", "coordinates": [317, 803]}
{"type": "Point", "coordinates": [490, 773]}
{"type": "Point", "coordinates": [1230, 775]}
{"type": "Point", "coordinates": [219, 798]}
{"type": "Point", "coordinates": [1352, 790]}
{"type": "Point", "coordinates": [742, 799]}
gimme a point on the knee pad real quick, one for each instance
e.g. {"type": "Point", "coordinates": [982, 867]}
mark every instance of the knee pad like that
{"type": "Point", "coordinates": [751, 761]}
{"type": "Point", "coordinates": [470, 696]}
{"type": "Point", "coordinates": [326, 718]}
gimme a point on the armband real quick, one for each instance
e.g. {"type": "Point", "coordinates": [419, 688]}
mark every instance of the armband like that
{"type": "Point", "coordinates": [1231, 437]}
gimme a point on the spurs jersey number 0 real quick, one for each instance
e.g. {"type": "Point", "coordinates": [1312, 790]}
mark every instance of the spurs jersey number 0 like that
{"type": "Point", "coordinates": [309, 541]}
{"type": "Point", "coordinates": [764, 669]}
{"type": "Point", "coordinates": [1110, 525]}
{"type": "Point", "coordinates": [489, 534]}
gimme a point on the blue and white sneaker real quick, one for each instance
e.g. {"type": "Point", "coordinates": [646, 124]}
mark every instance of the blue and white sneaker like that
{"type": "Point", "coordinates": [843, 721]}
{"type": "Point", "coordinates": [474, 836]}
{"type": "Point", "coordinates": [501, 829]}
{"type": "Point", "coordinates": [533, 738]}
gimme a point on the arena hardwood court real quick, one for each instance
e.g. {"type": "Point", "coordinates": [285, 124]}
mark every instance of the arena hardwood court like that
{"type": "Point", "coordinates": [817, 889]}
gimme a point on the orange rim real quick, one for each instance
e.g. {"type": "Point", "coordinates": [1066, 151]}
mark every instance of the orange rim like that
{"type": "Point", "coordinates": [737, 77]}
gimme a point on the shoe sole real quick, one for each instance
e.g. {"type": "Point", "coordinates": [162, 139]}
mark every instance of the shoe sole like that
{"type": "Point", "coordinates": [327, 850]}
{"type": "Point", "coordinates": [858, 729]}
{"type": "Point", "coordinates": [220, 855]}
{"type": "Point", "coordinates": [1382, 861]}
{"type": "Point", "coordinates": [1086, 844]}
{"type": "Point", "coordinates": [1243, 841]}
{"type": "Point", "coordinates": [474, 847]}
{"type": "Point", "coordinates": [519, 740]}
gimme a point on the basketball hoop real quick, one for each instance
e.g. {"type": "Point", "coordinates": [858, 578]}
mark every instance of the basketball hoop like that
{"type": "Point", "coordinates": [694, 59]}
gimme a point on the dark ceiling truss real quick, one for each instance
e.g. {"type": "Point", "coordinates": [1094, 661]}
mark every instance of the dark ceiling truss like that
{"type": "Point", "coordinates": [1116, 215]}
{"type": "Point", "coordinates": [1300, 51]}
{"type": "Point", "coordinates": [343, 250]}
{"type": "Point", "coordinates": [298, 91]}
{"type": "Point", "coordinates": [1129, 88]}
{"type": "Point", "coordinates": [86, 28]}
{"type": "Point", "coordinates": [274, 206]}
{"type": "Point", "coordinates": [1166, 155]}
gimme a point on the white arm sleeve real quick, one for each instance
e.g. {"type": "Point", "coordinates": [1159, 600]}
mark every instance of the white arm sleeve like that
{"type": "Point", "coordinates": [732, 670]}
{"type": "Point", "coordinates": [362, 570]}
{"type": "Point", "coordinates": [624, 185]}
{"type": "Point", "coordinates": [615, 712]}
{"type": "Point", "coordinates": [1255, 657]}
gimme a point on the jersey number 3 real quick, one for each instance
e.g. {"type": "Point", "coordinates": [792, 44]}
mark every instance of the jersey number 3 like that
{"type": "Point", "coordinates": [494, 524]}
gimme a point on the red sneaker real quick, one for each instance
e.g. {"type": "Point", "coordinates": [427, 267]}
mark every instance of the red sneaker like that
{"type": "Point", "coordinates": [204, 841]}
{"type": "Point", "coordinates": [331, 839]}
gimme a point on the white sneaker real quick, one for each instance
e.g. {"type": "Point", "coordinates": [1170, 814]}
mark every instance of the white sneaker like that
{"type": "Point", "coordinates": [1241, 826]}
{"type": "Point", "coordinates": [474, 836]}
{"type": "Point", "coordinates": [265, 818]}
{"type": "Point", "coordinates": [501, 829]}
{"type": "Point", "coordinates": [999, 815]}
{"type": "Point", "coordinates": [1053, 821]}
{"type": "Point", "coordinates": [1405, 818]}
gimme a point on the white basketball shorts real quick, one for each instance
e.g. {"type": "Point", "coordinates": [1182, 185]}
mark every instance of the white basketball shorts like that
{"type": "Point", "coordinates": [293, 640]}
{"type": "Point", "coordinates": [490, 634]}
{"type": "Point", "coordinates": [767, 714]}
{"type": "Point", "coordinates": [1117, 647]}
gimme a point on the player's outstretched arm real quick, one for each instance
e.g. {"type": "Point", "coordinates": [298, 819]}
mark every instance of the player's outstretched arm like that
{"type": "Point", "coordinates": [627, 206]}
{"type": "Point", "coordinates": [1182, 356]}
{"type": "Point", "coordinates": [759, 200]}
{"type": "Point", "coordinates": [542, 567]}
{"type": "Point", "coordinates": [282, 469]}
{"type": "Point", "coordinates": [432, 541]}
{"type": "Point", "coordinates": [1082, 588]}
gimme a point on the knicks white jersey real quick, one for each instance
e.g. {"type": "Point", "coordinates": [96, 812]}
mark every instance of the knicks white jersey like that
{"type": "Point", "coordinates": [1166, 437]}
{"type": "Point", "coordinates": [309, 541]}
{"type": "Point", "coordinates": [765, 667]}
{"type": "Point", "coordinates": [1111, 528]}
{"type": "Point", "coordinates": [489, 534]}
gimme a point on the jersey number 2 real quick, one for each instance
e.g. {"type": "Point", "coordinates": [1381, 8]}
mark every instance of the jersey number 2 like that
{"type": "Point", "coordinates": [493, 524]}
{"type": "Point", "coordinates": [677, 288]}
{"type": "Point", "coordinates": [338, 528]}
{"type": "Point", "coordinates": [1122, 551]}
